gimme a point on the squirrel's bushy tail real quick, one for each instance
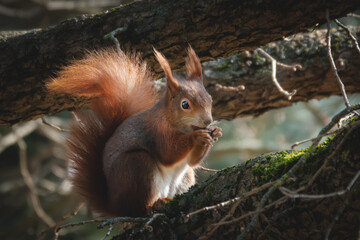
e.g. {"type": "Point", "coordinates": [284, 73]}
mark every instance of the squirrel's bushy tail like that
{"type": "Point", "coordinates": [120, 86]}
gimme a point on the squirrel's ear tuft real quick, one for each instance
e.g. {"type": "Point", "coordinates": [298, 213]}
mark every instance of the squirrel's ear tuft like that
{"type": "Point", "coordinates": [171, 82]}
{"type": "Point", "coordinates": [193, 66]}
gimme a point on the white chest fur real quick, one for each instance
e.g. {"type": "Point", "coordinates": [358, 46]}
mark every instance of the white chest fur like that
{"type": "Point", "coordinates": [167, 179]}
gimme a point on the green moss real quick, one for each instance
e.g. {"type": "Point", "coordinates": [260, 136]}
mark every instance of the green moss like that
{"type": "Point", "coordinates": [275, 165]}
{"type": "Point", "coordinates": [228, 169]}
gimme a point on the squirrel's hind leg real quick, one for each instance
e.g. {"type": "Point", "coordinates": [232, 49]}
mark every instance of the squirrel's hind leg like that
{"type": "Point", "coordinates": [130, 192]}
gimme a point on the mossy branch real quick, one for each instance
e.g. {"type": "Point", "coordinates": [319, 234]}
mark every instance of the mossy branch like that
{"type": "Point", "coordinates": [281, 217]}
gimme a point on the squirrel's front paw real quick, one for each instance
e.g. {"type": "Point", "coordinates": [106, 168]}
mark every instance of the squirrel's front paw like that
{"type": "Point", "coordinates": [202, 137]}
{"type": "Point", "coordinates": [215, 132]}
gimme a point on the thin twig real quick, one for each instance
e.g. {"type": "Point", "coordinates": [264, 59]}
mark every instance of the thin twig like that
{"type": "Point", "coordinates": [293, 67]}
{"type": "Point", "coordinates": [104, 222]}
{"type": "Point", "coordinates": [228, 215]}
{"type": "Point", "coordinates": [353, 15]}
{"type": "Point", "coordinates": [147, 226]}
{"type": "Point", "coordinates": [207, 169]}
{"type": "Point", "coordinates": [54, 227]}
{"type": "Point", "coordinates": [294, 195]}
{"type": "Point", "coordinates": [333, 66]}
{"type": "Point", "coordinates": [53, 126]}
{"type": "Point", "coordinates": [335, 120]}
{"type": "Point", "coordinates": [108, 222]}
{"type": "Point", "coordinates": [227, 89]}
{"type": "Point", "coordinates": [234, 200]}
{"type": "Point", "coordinates": [57, 230]}
{"type": "Point", "coordinates": [274, 63]}
{"type": "Point", "coordinates": [249, 214]}
{"type": "Point", "coordinates": [22, 131]}
{"type": "Point", "coordinates": [349, 34]}
{"type": "Point", "coordinates": [234, 207]}
{"type": "Point", "coordinates": [112, 34]}
{"type": "Point", "coordinates": [29, 182]}
{"type": "Point", "coordinates": [316, 138]}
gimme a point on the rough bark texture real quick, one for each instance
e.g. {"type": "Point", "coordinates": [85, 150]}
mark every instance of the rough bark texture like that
{"type": "Point", "coordinates": [315, 80]}
{"type": "Point", "coordinates": [293, 219]}
{"type": "Point", "coordinates": [214, 28]}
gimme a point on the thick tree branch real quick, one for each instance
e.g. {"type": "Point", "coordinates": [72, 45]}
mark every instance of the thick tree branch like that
{"type": "Point", "coordinates": [281, 217]}
{"type": "Point", "coordinates": [214, 28]}
{"type": "Point", "coordinates": [315, 80]}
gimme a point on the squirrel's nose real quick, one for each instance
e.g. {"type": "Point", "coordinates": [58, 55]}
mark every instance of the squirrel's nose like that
{"type": "Point", "coordinates": [208, 120]}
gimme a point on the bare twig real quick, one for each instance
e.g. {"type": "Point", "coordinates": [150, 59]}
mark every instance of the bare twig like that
{"type": "Point", "coordinates": [229, 88]}
{"type": "Point", "coordinates": [249, 214]}
{"type": "Point", "coordinates": [104, 222]}
{"type": "Point", "coordinates": [53, 126]}
{"type": "Point", "coordinates": [207, 169]}
{"type": "Point", "coordinates": [54, 227]}
{"type": "Point", "coordinates": [292, 194]}
{"type": "Point", "coordinates": [353, 15]}
{"type": "Point", "coordinates": [349, 34]}
{"type": "Point", "coordinates": [29, 182]}
{"type": "Point", "coordinates": [292, 67]}
{"type": "Point", "coordinates": [274, 63]}
{"type": "Point", "coordinates": [112, 34]}
{"type": "Point", "coordinates": [12, 137]}
{"type": "Point", "coordinates": [234, 207]}
{"type": "Point", "coordinates": [231, 201]}
{"type": "Point", "coordinates": [147, 226]}
{"type": "Point", "coordinates": [333, 66]}
{"type": "Point", "coordinates": [335, 120]}
{"type": "Point", "coordinates": [108, 222]}
{"type": "Point", "coordinates": [316, 138]}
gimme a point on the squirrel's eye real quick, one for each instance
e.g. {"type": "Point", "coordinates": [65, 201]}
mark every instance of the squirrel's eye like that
{"type": "Point", "coordinates": [185, 105]}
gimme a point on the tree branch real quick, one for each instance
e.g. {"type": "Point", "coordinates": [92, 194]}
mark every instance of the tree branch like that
{"type": "Point", "coordinates": [214, 28]}
{"type": "Point", "coordinates": [314, 81]}
{"type": "Point", "coordinates": [279, 218]}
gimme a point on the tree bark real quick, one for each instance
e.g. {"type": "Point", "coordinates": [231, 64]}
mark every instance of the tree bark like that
{"type": "Point", "coordinates": [292, 219]}
{"type": "Point", "coordinates": [316, 79]}
{"type": "Point", "coordinates": [214, 28]}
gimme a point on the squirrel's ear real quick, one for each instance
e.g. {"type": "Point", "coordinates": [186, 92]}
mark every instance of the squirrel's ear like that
{"type": "Point", "coordinates": [193, 66]}
{"type": "Point", "coordinates": [171, 82]}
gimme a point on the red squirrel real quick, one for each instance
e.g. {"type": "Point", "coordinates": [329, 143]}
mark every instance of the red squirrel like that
{"type": "Point", "coordinates": [132, 148]}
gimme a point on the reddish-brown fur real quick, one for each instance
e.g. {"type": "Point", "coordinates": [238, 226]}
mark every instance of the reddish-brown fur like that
{"type": "Point", "coordinates": [106, 76]}
{"type": "Point", "coordinates": [114, 162]}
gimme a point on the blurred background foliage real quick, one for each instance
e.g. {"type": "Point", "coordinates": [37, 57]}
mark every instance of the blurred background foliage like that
{"type": "Point", "coordinates": [46, 152]}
